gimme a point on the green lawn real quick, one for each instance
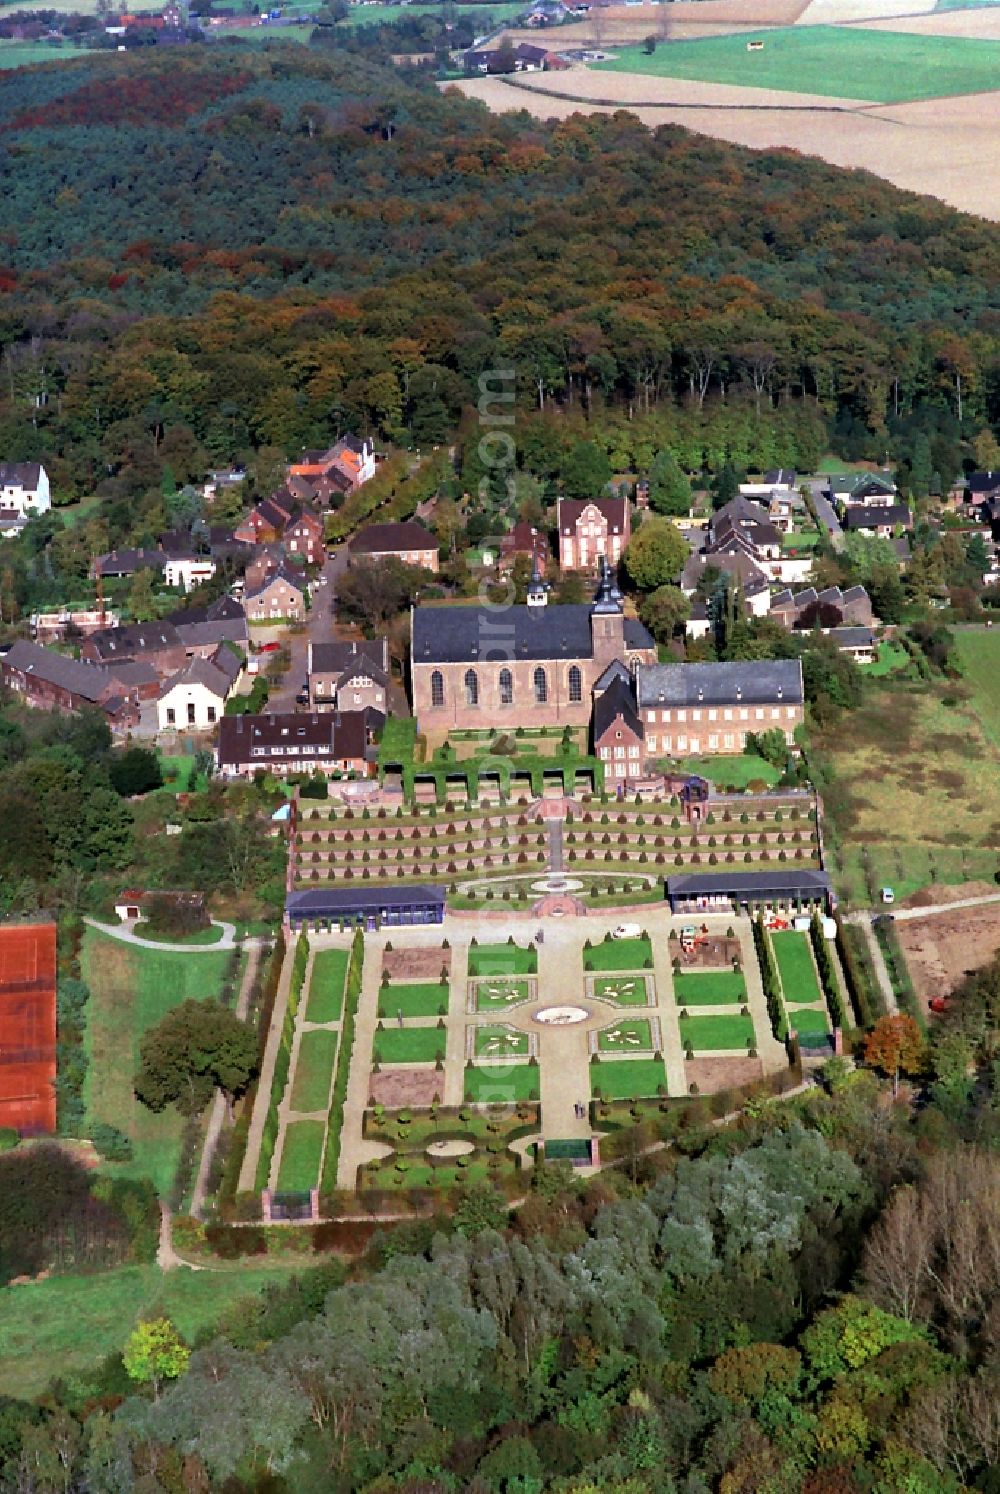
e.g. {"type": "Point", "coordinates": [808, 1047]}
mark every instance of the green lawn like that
{"type": "Point", "coordinates": [979, 658]}
{"type": "Point", "coordinates": [890, 658]}
{"type": "Point", "coordinates": [808, 1020]}
{"type": "Point", "coordinates": [846, 62]}
{"type": "Point", "coordinates": [502, 959]}
{"type": "Point", "coordinates": [501, 1042]}
{"type": "Point", "coordinates": [626, 1037]}
{"type": "Point", "coordinates": [314, 1070]}
{"type": "Point", "coordinates": [795, 966]}
{"type": "Point", "coordinates": [211, 935]}
{"type": "Point", "coordinates": [326, 987]}
{"type": "Point", "coordinates": [619, 954]}
{"type": "Point", "coordinates": [417, 999]}
{"type": "Point", "coordinates": [131, 989]}
{"type": "Point", "coordinates": [628, 1079]}
{"type": "Point", "coordinates": [69, 1323]}
{"type": "Point", "coordinates": [705, 1034]}
{"type": "Point", "coordinates": [23, 53]}
{"type": "Point", "coordinates": [626, 992]}
{"type": "Point", "coordinates": [501, 1084]}
{"type": "Point", "coordinates": [516, 989]}
{"type": "Point", "coordinates": [409, 1044]}
{"type": "Point", "coordinates": [301, 1156]}
{"type": "Point", "coordinates": [736, 771]}
{"type": "Point", "coordinates": [710, 988]}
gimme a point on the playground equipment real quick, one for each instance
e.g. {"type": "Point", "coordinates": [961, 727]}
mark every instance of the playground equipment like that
{"type": "Point", "coordinates": [775, 923]}
{"type": "Point", "coordinates": [692, 937]}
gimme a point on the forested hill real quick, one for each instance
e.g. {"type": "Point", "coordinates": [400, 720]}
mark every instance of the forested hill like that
{"type": "Point", "coordinates": [390, 228]}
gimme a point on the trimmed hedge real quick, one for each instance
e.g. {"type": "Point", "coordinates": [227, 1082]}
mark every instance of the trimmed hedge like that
{"type": "Point", "coordinates": [282, 1063]}
{"type": "Point", "coordinates": [241, 1130]}
{"type": "Point", "coordinates": [352, 994]}
{"type": "Point", "coordinates": [827, 974]}
{"type": "Point", "coordinates": [864, 991]}
{"type": "Point", "coordinates": [769, 980]}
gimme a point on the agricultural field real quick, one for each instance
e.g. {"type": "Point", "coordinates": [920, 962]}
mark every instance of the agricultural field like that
{"type": "Point", "coordinates": [67, 1323]}
{"type": "Point", "coordinates": [847, 63]}
{"type": "Point", "coordinates": [933, 743]}
{"type": "Point", "coordinates": [979, 658]}
{"type": "Point", "coordinates": [131, 988]}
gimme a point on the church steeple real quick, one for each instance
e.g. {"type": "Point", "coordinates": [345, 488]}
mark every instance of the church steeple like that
{"type": "Point", "coordinates": [608, 597]}
{"type": "Point", "coordinates": [538, 591]}
{"type": "Point", "coordinates": [607, 619]}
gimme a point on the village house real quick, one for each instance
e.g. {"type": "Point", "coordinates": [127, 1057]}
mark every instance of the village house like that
{"type": "Point", "coordinates": [742, 526]}
{"type": "Point", "coordinates": [202, 629]}
{"type": "Point", "coordinates": [618, 732]}
{"type": "Point", "coordinates": [305, 539]}
{"type": "Point", "coordinates": [188, 571]}
{"type": "Point", "coordinates": [349, 676]}
{"type": "Point", "coordinates": [24, 491]}
{"type": "Point", "coordinates": [47, 680]}
{"type": "Point", "coordinates": [859, 644]}
{"type": "Point", "coordinates": [337, 743]}
{"type": "Point", "coordinates": [154, 643]}
{"type": "Point", "coordinates": [592, 530]}
{"type": "Point", "coordinates": [879, 519]}
{"type": "Point", "coordinates": [133, 903]}
{"type": "Point", "coordinates": [267, 559]}
{"type": "Point", "coordinates": [688, 709]}
{"type": "Point", "coordinates": [325, 476]}
{"type": "Point", "coordinates": [51, 627]}
{"type": "Point", "coordinates": [195, 698]}
{"type": "Point", "coordinates": [409, 542]}
{"type": "Point", "coordinates": [741, 571]}
{"type": "Point", "coordinates": [119, 563]}
{"type": "Point", "coordinates": [523, 540]}
{"type": "Point", "coordinates": [530, 665]}
{"type": "Point", "coordinates": [876, 489]}
{"type": "Point", "coordinates": [804, 608]}
{"type": "Point", "coordinates": [266, 522]}
{"type": "Point", "coordinates": [281, 596]}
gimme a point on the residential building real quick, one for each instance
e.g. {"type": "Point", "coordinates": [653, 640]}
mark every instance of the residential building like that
{"type": "Point", "coordinates": [155, 643]}
{"type": "Point", "coordinates": [266, 522]}
{"type": "Point", "coordinates": [806, 607]}
{"type": "Point", "coordinates": [201, 629]}
{"type": "Point", "coordinates": [50, 681]}
{"type": "Point", "coordinates": [133, 903]}
{"type": "Point", "coordinates": [741, 571]}
{"type": "Point", "coordinates": [118, 563]}
{"type": "Point", "coordinates": [592, 530]}
{"type": "Point", "coordinates": [523, 540]}
{"type": "Point", "coordinates": [24, 491]}
{"type": "Point", "coordinates": [618, 733]}
{"type": "Point", "coordinates": [195, 698]}
{"type": "Point", "coordinates": [305, 539]}
{"type": "Point", "coordinates": [409, 542]}
{"type": "Point", "coordinates": [688, 709]}
{"type": "Point", "coordinates": [50, 627]}
{"type": "Point", "coordinates": [530, 665]}
{"type": "Point", "coordinates": [281, 596]}
{"type": "Point", "coordinates": [747, 523]}
{"type": "Point", "coordinates": [348, 675]}
{"type": "Point", "coordinates": [340, 470]}
{"type": "Point", "coordinates": [188, 570]}
{"type": "Point", "coordinates": [881, 519]}
{"type": "Point", "coordinates": [859, 643]}
{"type": "Point", "coordinates": [336, 743]}
{"type": "Point", "coordinates": [267, 559]}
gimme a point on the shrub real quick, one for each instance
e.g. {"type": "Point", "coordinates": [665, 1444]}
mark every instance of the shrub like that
{"type": "Point", "coordinates": [110, 1143]}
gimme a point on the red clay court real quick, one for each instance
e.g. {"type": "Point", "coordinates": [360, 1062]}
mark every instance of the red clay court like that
{"type": "Point", "coordinates": [28, 1027]}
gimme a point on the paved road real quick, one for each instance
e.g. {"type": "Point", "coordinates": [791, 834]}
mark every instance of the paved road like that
{"type": "Point", "coordinates": [962, 902]}
{"type": "Point", "coordinates": [827, 515]}
{"type": "Point", "coordinates": [318, 629]}
{"type": "Point", "coordinates": [123, 932]}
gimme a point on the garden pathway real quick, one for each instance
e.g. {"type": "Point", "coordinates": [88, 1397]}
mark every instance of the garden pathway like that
{"type": "Point", "coordinates": [863, 921]}
{"type": "Point", "coordinates": [218, 1112]}
{"type": "Point", "coordinates": [123, 932]}
{"type": "Point", "coordinates": [248, 1172]}
{"type": "Point", "coordinates": [355, 1151]}
{"type": "Point", "coordinates": [555, 830]}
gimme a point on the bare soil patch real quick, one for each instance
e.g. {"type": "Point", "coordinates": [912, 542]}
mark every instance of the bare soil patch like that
{"type": "Point", "coordinates": [400, 1087]}
{"type": "Point", "coordinates": [942, 949]}
{"type": "Point", "coordinates": [713, 1074]}
{"type": "Point", "coordinates": [981, 24]}
{"type": "Point", "coordinates": [628, 24]}
{"type": "Point", "coordinates": [415, 964]}
{"type": "Point", "coordinates": [715, 954]}
{"type": "Point", "coordinates": [939, 896]}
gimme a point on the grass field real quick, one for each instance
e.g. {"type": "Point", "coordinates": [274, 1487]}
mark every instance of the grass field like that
{"type": "Point", "coordinates": [708, 1034]}
{"type": "Point", "coordinates": [630, 992]}
{"type": "Point", "coordinates": [841, 62]}
{"type": "Point", "coordinates": [796, 968]}
{"type": "Point", "coordinates": [26, 53]}
{"type": "Point", "coordinates": [933, 743]}
{"type": "Point", "coordinates": [501, 1084]}
{"type": "Point", "coordinates": [487, 1003]}
{"type": "Point", "coordinates": [711, 988]}
{"type": "Point", "coordinates": [409, 1044]}
{"type": "Point", "coordinates": [211, 935]}
{"type": "Point", "coordinates": [502, 959]}
{"type": "Point", "coordinates": [69, 1323]}
{"type": "Point", "coordinates": [618, 954]}
{"type": "Point", "coordinates": [314, 1070]}
{"type": "Point", "coordinates": [500, 1042]}
{"type": "Point", "coordinates": [326, 988]}
{"type": "Point", "coordinates": [626, 1037]}
{"type": "Point", "coordinates": [301, 1156]}
{"type": "Point", "coordinates": [418, 999]}
{"type": "Point", "coordinates": [891, 658]}
{"type": "Point", "coordinates": [979, 657]}
{"type": "Point", "coordinates": [628, 1079]}
{"type": "Point", "coordinates": [737, 771]}
{"type": "Point", "coordinates": [131, 989]}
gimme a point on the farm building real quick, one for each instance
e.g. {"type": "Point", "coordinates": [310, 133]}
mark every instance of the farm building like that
{"type": "Point", "coordinates": [372, 907]}
{"type": "Point", "coordinates": [28, 1028]}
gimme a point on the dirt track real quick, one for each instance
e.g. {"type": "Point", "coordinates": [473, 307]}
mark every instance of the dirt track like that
{"type": "Point", "coordinates": [623, 24]}
{"type": "Point", "coordinates": [945, 148]}
{"type": "Point", "coordinates": [982, 24]}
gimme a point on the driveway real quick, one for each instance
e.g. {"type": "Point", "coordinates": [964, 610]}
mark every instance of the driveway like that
{"type": "Point", "coordinates": [827, 515]}
{"type": "Point", "coordinates": [318, 629]}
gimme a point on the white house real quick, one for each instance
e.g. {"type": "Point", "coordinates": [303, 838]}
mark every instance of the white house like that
{"type": "Point", "coordinates": [188, 571]}
{"type": "Point", "coordinates": [195, 699]}
{"type": "Point", "coordinates": [24, 490]}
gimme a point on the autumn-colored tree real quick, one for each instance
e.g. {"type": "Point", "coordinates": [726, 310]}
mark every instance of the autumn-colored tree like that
{"type": "Point", "coordinates": [896, 1045]}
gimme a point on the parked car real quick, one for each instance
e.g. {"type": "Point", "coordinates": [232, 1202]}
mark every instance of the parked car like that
{"type": "Point", "coordinates": [626, 931]}
{"type": "Point", "coordinates": [269, 648]}
{"type": "Point", "coordinates": [939, 1004]}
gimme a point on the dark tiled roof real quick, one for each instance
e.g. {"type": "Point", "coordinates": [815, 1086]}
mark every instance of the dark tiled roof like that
{"type": "Point", "coordinates": [762, 682]}
{"type": "Point", "coordinates": [127, 562]}
{"type": "Point", "coordinates": [984, 482]}
{"type": "Point", "coordinates": [382, 539]}
{"type": "Point", "coordinates": [337, 733]}
{"type": "Point", "coordinates": [852, 637]}
{"type": "Point", "coordinates": [874, 516]}
{"type": "Point", "coordinates": [617, 700]}
{"type": "Point", "coordinates": [134, 638]}
{"type": "Point", "coordinates": [88, 681]}
{"type": "Point", "coordinates": [224, 608]}
{"type": "Point", "coordinates": [696, 884]}
{"type": "Point", "coordinates": [614, 671]}
{"type": "Point", "coordinates": [340, 654]}
{"type": "Point", "coordinates": [459, 635]}
{"type": "Point", "coordinates": [613, 510]}
{"type": "Point", "coordinates": [331, 902]}
{"type": "Point", "coordinates": [281, 573]}
{"type": "Point", "coordinates": [20, 475]}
